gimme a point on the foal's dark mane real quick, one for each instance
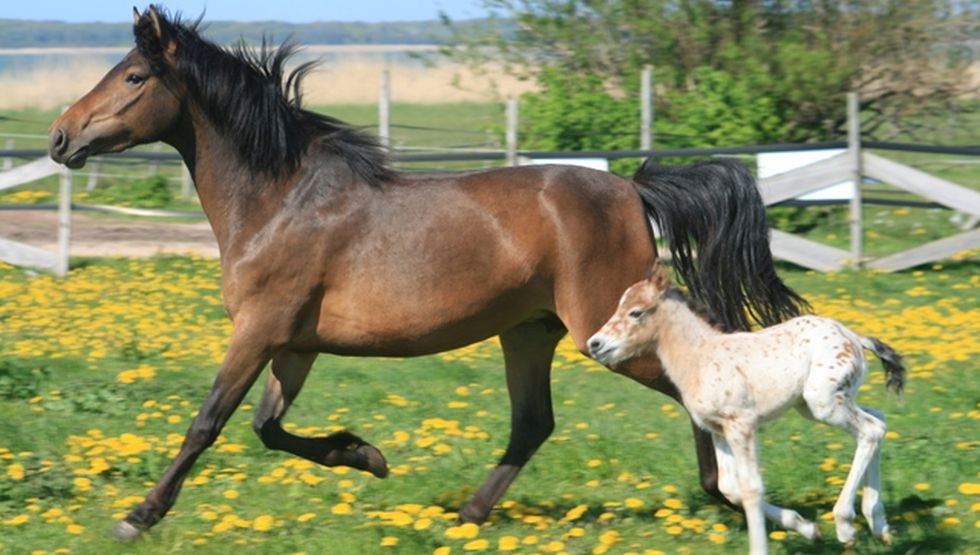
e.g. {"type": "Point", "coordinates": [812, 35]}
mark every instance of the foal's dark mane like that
{"type": "Point", "coordinates": [250, 97]}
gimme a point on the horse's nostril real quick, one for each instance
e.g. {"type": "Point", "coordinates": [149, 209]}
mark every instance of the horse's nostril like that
{"type": "Point", "coordinates": [594, 345]}
{"type": "Point", "coordinates": [59, 142]}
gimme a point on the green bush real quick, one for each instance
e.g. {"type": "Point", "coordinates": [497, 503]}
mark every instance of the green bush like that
{"type": "Point", "coordinates": [152, 192]}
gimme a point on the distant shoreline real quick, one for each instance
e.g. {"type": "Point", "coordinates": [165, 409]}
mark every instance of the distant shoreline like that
{"type": "Point", "coordinates": [310, 48]}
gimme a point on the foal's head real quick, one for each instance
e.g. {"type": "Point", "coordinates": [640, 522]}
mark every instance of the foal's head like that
{"type": "Point", "coordinates": [632, 330]}
{"type": "Point", "coordinates": [133, 104]}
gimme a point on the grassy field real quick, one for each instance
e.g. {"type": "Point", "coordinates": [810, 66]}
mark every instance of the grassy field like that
{"type": "Point", "coordinates": [100, 375]}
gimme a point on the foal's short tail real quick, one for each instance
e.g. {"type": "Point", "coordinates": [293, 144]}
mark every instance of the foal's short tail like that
{"type": "Point", "coordinates": [890, 360]}
{"type": "Point", "coordinates": [715, 207]}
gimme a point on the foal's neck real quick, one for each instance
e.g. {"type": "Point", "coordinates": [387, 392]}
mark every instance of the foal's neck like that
{"type": "Point", "coordinates": [681, 334]}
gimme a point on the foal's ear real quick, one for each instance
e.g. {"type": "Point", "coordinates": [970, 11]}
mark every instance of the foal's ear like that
{"type": "Point", "coordinates": [154, 37]}
{"type": "Point", "coordinates": [659, 276]}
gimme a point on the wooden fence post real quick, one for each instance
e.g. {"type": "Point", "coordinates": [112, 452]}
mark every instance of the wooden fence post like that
{"type": "Point", "coordinates": [64, 224]}
{"type": "Point", "coordinates": [8, 162]}
{"type": "Point", "coordinates": [512, 131]}
{"type": "Point", "coordinates": [646, 108]}
{"type": "Point", "coordinates": [854, 158]}
{"type": "Point", "coordinates": [384, 108]}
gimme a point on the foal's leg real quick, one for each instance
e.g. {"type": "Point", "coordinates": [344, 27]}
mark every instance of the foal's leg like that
{"type": "Point", "coordinates": [729, 486]}
{"type": "Point", "coordinates": [839, 410]}
{"type": "Point", "coordinates": [744, 442]}
{"type": "Point", "coordinates": [289, 372]}
{"type": "Point", "coordinates": [248, 353]}
{"type": "Point", "coordinates": [871, 504]}
{"type": "Point", "coordinates": [528, 350]}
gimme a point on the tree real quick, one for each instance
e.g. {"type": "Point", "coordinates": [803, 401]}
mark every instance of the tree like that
{"type": "Point", "coordinates": [728, 72]}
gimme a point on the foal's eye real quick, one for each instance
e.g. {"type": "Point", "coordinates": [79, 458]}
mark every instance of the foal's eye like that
{"type": "Point", "coordinates": [636, 314]}
{"type": "Point", "coordinates": [134, 79]}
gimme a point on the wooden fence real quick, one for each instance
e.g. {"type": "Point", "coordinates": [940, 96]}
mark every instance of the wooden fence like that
{"type": "Point", "coordinates": [853, 165]}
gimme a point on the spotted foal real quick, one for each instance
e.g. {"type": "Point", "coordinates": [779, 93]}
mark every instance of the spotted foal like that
{"type": "Point", "coordinates": [733, 382]}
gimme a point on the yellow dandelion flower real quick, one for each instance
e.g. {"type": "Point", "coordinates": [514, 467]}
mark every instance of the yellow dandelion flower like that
{"type": "Point", "coordinates": [17, 520]}
{"type": "Point", "coordinates": [969, 488]}
{"type": "Point", "coordinates": [74, 529]}
{"type": "Point", "coordinates": [466, 531]}
{"type": "Point", "coordinates": [777, 535]}
{"type": "Point", "coordinates": [507, 543]}
{"type": "Point", "coordinates": [341, 509]}
{"type": "Point", "coordinates": [576, 512]}
{"type": "Point", "coordinates": [922, 486]}
{"type": "Point", "coordinates": [674, 530]}
{"type": "Point", "coordinates": [15, 472]}
{"type": "Point", "coordinates": [444, 550]}
{"type": "Point", "coordinates": [633, 503]}
{"type": "Point", "coordinates": [476, 545]}
{"type": "Point", "coordinates": [263, 523]}
{"type": "Point", "coordinates": [389, 541]}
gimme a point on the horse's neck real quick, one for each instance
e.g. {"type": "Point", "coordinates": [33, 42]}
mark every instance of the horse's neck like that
{"type": "Point", "coordinates": [216, 169]}
{"type": "Point", "coordinates": [682, 334]}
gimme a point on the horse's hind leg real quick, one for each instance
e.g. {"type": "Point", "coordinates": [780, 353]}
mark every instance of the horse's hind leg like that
{"type": "Point", "coordinates": [289, 372]}
{"type": "Point", "coordinates": [528, 350]}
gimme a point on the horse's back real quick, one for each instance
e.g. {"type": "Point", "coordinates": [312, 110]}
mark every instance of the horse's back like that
{"type": "Point", "coordinates": [437, 261]}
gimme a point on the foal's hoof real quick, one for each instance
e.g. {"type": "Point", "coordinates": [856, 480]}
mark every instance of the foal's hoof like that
{"type": "Point", "coordinates": [126, 532]}
{"type": "Point", "coordinates": [886, 537]}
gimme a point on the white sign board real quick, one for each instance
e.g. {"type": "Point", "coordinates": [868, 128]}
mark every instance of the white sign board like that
{"type": "Point", "coordinates": [774, 163]}
{"type": "Point", "coordinates": [594, 163]}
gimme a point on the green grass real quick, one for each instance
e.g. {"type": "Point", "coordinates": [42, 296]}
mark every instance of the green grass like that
{"type": "Point", "coordinates": [130, 347]}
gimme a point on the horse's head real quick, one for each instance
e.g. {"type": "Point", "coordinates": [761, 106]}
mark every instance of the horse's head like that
{"type": "Point", "coordinates": [135, 103]}
{"type": "Point", "coordinates": [632, 330]}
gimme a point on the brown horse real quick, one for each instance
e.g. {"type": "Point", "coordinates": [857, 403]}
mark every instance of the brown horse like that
{"type": "Point", "coordinates": [324, 248]}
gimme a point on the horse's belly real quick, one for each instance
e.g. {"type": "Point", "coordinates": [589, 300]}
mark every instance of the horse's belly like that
{"type": "Point", "coordinates": [452, 317]}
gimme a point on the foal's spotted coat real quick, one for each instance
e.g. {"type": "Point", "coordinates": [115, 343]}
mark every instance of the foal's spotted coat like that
{"type": "Point", "coordinates": [733, 382]}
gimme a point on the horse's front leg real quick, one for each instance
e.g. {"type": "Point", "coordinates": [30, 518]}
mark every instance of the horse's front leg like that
{"type": "Point", "coordinates": [248, 353]}
{"type": "Point", "coordinates": [289, 372]}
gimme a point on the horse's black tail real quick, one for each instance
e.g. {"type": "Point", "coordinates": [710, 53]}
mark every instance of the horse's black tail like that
{"type": "Point", "coordinates": [714, 208]}
{"type": "Point", "coordinates": [890, 360]}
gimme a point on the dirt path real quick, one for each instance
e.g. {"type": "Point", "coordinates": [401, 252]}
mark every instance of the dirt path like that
{"type": "Point", "coordinates": [96, 235]}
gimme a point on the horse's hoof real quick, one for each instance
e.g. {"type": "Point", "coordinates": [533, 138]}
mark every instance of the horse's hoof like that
{"type": "Point", "coordinates": [374, 461]}
{"type": "Point", "coordinates": [126, 532]}
{"type": "Point", "coordinates": [815, 534]}
{"type": "Point", "coordinates": [470, 514]}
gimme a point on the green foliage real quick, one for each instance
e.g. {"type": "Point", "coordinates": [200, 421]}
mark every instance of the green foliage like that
{"type": "Point", "coordinates": [729, 72]}
{"type": "Point", "coordinates": [576, 113]}
{"type": "Point", "coordinates": [152, 192]}
{"type": "Point", "coordinates": [21, 379]}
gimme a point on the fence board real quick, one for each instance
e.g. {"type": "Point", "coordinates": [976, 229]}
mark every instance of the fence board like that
{"type": "Point", "coordinates": [944, 192]}
{"type": "Point", "coordinates": [935, 250]}
{"type": "Point", "coordinates": [811, 177]}
{"type": "Point", "coordinates": [38, 169]}
{"type": "Point", "coordinates": [20, 254]}
{"type": "Point", "coordinates": [807, 253]}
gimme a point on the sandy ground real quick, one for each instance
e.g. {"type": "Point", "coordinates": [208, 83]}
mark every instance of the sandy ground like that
{"type": "Point", "coordinates": [96, 235]}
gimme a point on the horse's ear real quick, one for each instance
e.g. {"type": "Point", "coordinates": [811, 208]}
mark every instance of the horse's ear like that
{"type": "Point", "coordinates": [136, 15]}
{"type": "Point", "coordinates": [154, 37]}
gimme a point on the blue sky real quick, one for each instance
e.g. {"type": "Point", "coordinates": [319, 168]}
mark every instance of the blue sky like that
{"type": "Point", "coordinates": [297, 11]}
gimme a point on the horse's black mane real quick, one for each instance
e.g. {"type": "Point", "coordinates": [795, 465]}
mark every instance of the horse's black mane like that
{"type": "Point", "coordinates": [251, 98]}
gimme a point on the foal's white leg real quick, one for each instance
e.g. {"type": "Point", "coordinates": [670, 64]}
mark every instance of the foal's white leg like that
{"type": "Point", "coordinates": [728, 485]}
{"type": "Point", "coordinates": [871, 504]}
{"type": "Point", "coordinates": [868, 431]}
{"type": "Point", "coordinates": [744, 443]}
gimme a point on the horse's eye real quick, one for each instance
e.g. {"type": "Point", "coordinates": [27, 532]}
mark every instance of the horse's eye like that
{"type": "Point", "coordinates": [134, 79]}
{"type": "Point", "coordinates": [636, 314]}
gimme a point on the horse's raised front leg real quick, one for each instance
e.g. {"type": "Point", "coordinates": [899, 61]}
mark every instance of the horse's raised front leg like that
{"type": "Point", "coordinates": [528, 350]}
{"type": "Point", "coordinates": [742, 437]}
{"type": "Point", "coordinates": [289, 372]}
{"type": "Point", "coordinates": [248, 353]}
